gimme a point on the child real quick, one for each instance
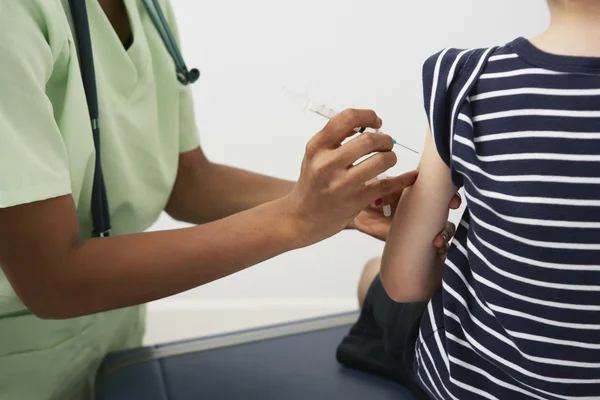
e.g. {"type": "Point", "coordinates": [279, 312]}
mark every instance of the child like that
{"type": "Point", "coordinates": [513, 311]}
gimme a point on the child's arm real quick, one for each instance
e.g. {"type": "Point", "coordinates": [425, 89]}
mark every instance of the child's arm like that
{"type": "Point", "coordinates": [411, 269]}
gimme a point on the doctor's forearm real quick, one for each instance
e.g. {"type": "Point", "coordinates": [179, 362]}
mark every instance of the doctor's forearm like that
{"type": "Point", "coordinates": [231, 190]}
{"type": "Point", "coordinates": [205, 191]}
{"type": "Point", "coordinates": [103, 274]}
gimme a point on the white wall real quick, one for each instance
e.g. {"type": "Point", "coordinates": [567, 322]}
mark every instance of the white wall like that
{"type": "Point", "coordinates": [348, 53]}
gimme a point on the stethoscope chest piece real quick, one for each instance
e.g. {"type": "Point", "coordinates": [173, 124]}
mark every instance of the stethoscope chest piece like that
{"type": "Point", "coordinates": [189, 77]}
{"type": "Point", "coordinates": [184, 75]}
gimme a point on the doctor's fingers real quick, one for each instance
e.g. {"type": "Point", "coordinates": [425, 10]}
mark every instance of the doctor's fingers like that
{"type": "Point", "coordinates": [364, 145]}
{"type": "Point", "coordinates": [343, 125]}
{"type": "Point", "coordinates": [377, 189]}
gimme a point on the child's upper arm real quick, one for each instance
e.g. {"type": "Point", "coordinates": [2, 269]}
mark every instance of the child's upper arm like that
{"type": "Point", "coordinates": [434, 176]}
{"type": "Point", "coordinates": [426, 204]}
{"type": "Point", "coordinates": [411, 267]}
{"type": "Point", "coordinates": [424, 208]}
{"type": "Point", "coordinates": [433, 190]}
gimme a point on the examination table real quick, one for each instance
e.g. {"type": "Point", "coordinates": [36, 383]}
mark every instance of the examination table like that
{"type": "Point", "coordinates": [294, 361]}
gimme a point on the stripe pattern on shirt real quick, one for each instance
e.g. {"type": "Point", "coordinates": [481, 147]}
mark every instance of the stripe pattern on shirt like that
{"type": "Point", "coordinates": [518, 316]}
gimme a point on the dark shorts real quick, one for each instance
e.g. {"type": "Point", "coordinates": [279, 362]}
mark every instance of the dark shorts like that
{"type": "Point", "coordinates": [383, 340]}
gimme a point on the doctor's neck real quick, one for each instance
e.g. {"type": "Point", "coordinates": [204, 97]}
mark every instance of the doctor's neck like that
{"type": "Point", "coordinates": [574, 28]}
{"type": "Point", "coordinates": [110, 3]}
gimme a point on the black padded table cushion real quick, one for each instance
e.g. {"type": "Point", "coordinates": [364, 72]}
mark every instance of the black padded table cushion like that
{"type": "Point", "coordinates": [293, 366]}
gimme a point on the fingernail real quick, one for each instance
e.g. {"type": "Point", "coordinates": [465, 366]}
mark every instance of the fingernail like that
{"type": "Point", "coordinates": [380, 122]}
{"type": "Point", "coordinates": [387, 211]}
{"type": "Point", "coordinates": [445, 236]}
{"type": "Point", "coordinates": [378, 202]}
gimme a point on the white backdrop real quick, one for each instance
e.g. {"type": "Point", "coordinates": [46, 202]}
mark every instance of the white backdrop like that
{"type": "Point", "coordinates": [347, 53]}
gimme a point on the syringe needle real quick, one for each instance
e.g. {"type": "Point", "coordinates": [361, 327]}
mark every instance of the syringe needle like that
{"type": "Point", "coordinates": [405, 147]}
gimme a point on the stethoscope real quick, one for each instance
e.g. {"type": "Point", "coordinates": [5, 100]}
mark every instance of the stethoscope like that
{"type": "Point", "coordinates": [100, 211]}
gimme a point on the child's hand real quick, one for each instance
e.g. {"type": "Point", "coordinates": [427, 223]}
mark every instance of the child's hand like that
{"type": "Point", "coordinates": [442, 241]}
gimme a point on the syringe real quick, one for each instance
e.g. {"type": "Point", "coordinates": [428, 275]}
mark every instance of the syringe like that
{"type": "Point", "coordinates": [329, 113]}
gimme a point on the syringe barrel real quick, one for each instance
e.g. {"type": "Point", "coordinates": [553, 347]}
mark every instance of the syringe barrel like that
{"type": "Point", "coordinates": [321, 110]}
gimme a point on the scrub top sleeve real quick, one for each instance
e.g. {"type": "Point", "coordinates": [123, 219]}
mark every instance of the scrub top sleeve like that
{"type": "Point", "coordinates": [188, 130]}
{"type": "Point", "coordinates": [33, 157]}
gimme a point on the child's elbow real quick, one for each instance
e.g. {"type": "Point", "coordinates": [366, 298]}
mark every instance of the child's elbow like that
{"type": "Point", "coordinates": [397, 289]}
{"type": "Point", "coordinates": [403, 294]}
{"type": "Point", "coordinates": [401, 289]}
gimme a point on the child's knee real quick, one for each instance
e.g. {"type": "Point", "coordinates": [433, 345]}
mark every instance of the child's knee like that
{"type": "Point", "coordinates": [369, 273]}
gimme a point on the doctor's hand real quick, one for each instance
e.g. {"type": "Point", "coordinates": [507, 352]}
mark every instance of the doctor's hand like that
{"type": "Point", "coordinates": [332, 190]}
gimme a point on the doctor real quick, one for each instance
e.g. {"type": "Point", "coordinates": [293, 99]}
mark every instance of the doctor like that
{"type": "Point", "coordinates": [66, 298]}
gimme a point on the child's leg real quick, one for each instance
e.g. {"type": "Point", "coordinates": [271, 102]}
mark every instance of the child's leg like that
{"type": "Point", "coordinates": [370, 271]}
{"type": "Point", "coordinates": [383, 340]}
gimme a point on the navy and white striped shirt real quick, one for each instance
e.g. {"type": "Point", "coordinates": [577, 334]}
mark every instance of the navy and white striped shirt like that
{"type": "Point", "coordinates": [519, 313]}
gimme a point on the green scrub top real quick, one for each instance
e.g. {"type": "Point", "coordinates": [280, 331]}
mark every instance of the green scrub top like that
{"type": "Point", "coordinates": [46, 151]}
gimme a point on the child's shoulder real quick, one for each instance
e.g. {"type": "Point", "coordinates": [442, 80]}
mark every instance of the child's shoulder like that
{"type": "Point", "coordinates": [448, 77]}
{"type": "Point", "coordinates": [451, 71]}
{"type": "Point", "coordinates": [452, 62]}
